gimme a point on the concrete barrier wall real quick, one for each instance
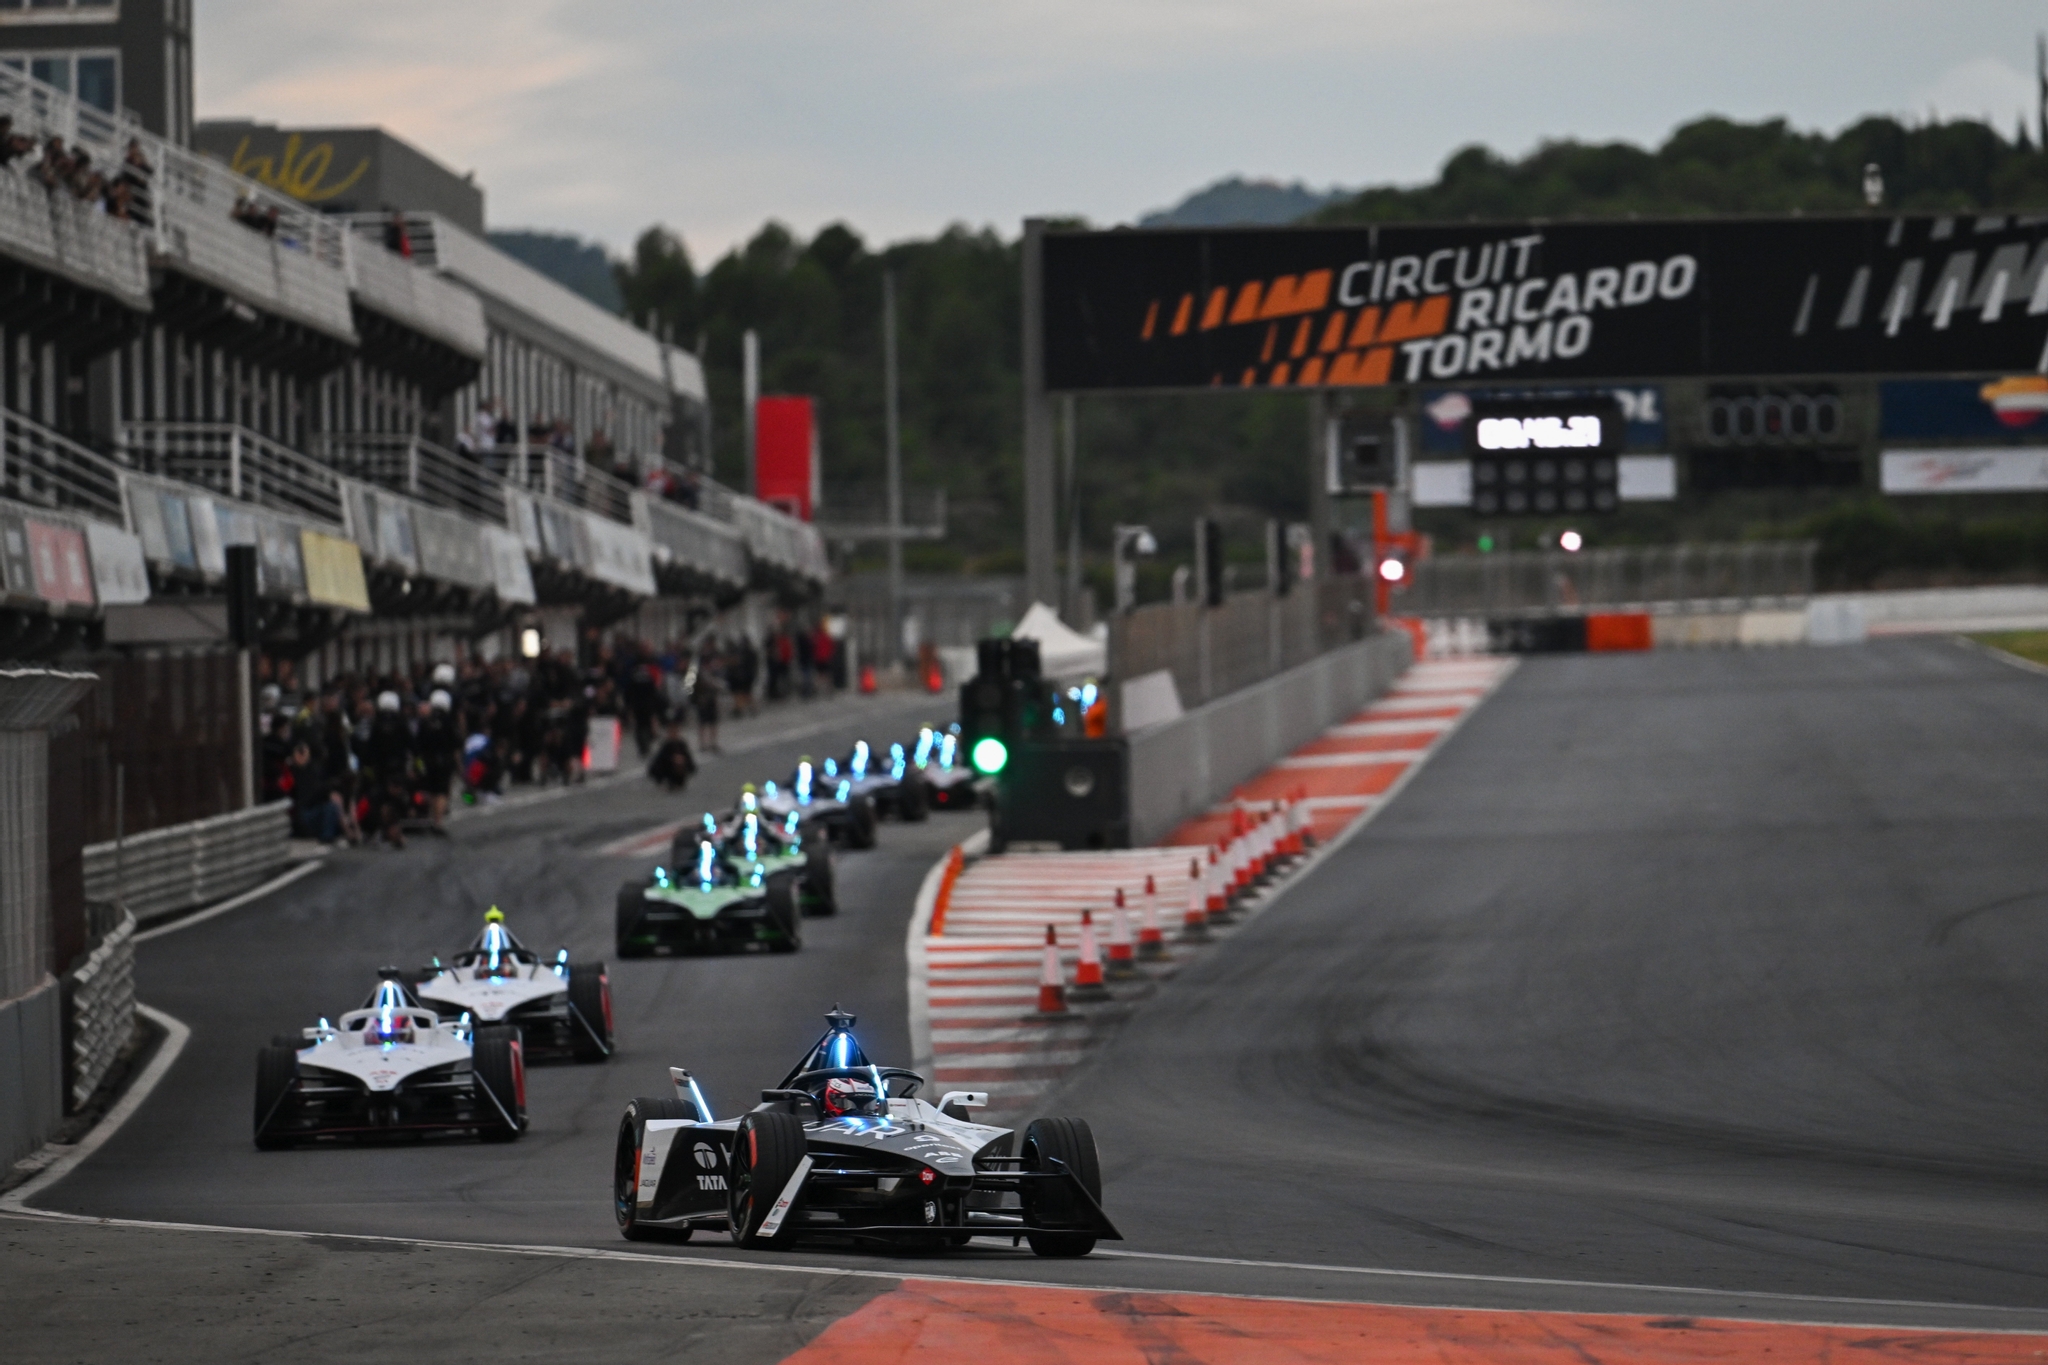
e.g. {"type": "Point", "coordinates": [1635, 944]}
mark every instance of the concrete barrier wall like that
{"type": "Point", "coordinates": [1181, 768]}
{"type": "Point", "coordinates": [31, 1070]}
{"type": "Point", "coordinates": [101, 992]}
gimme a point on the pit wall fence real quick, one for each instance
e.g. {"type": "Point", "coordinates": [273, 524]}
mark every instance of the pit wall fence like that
{"type": "Point", "coordinates": [1183, 767]}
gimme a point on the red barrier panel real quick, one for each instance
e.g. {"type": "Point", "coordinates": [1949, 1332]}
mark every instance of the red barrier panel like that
{"type": "Point", "coordinates": [1618, 630]}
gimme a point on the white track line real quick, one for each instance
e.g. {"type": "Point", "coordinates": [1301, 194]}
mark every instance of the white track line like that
{"type": "Point", "coordinates": [685, 1261]}
{"type": "Point", "coordinates": [277, 883]}
{"type": "Point", "coordinates": [176, 1035]}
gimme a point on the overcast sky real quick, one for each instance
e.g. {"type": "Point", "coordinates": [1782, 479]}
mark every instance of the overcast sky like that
{"type": "Point", "coordinates": [901, 116]}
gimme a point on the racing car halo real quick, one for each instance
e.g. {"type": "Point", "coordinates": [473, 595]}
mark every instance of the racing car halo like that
{"type": "Point", "coordinates": [845, 1148]}
{"type": "Point", "coordinates": [392, 1067]}
{"type": "Point", "coordinates": [746, 835]}
{"type": "Point", "coordinates": [824, 801]}
{"type": "Point", "coordinates": [558, 1006]}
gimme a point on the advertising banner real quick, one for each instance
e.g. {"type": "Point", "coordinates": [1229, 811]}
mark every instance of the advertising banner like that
{"type": "Point", "coordinates": [62, 569]}
{"type": "Point", "coordinates": [786, 470]}
{"type": "Point", "coordinates": [1344, 307]}
{"type": "Point", "coordinates": [2010, 409]}
{"type": "Point", "coordinates": [334, 571]}
{"type": "Point", "coordinates": [118, 571]}
{"type": "Point", "coordinates": [2011, 470]}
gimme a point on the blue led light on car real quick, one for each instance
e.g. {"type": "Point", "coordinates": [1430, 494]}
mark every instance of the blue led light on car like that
{"type": "Point", "coordinates": [859, 766]}
{"type": "Point", "coordinates": [926, 738]}
{"type": "Point", "coordinates": [845, 790]}
{"type": "Point", "coordinates": [707, 863]}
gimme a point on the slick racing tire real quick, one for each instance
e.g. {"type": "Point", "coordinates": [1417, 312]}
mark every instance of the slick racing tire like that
{"type": "Point", "coordinates": [819, 880]}
{"type": "Point", "coordinates": [498, 1061]}
{"type": "Point", "coordinates": [913, 799]}
{"type": "Point", "coordinates": [860, 827]}
{"type": "Point", "coordinates": [765, 1153]}
{"type": "Point", "coordinates": [784, 917]}
{"type": "Point", "coordinates": [1070, 1144]}
{"type": "Point", "coordinates": [277, 1072]}
{"type": "Point", "coordinates": [626, 1167]}
{"type": "Point", "coordinates": [590, 1003]}
{"type": "Point", "coordinates": [627, 938]}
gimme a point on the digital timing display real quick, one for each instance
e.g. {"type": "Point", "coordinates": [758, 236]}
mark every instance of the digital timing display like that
{"type": "Point", "coordinates": [1581, 432]}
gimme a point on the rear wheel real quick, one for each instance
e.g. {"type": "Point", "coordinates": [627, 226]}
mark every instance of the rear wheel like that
{"type": "Point", "coordinates": [765, 1153]}
{"type": "Point", "coordinates": [860, 830]}
{"type": "Point", "coordinates": [590, 1000]}
{"type": "Point", "coordinates": [784, 917]}
{"type": "Point", "coordinates": [913, 800]}
{"type": "Point", "coordinates": [819, 879]}
{"type": "Point", "coordinates": [626, 1167]}
{"type": "Point", "coordinates": [277, 1072]}
{"type": "Point", "coordinates": [627, 936]}
{"type": "Point", "coordinates": [1052, 1145]}
{"type": "Point", "coordinates": [498, 1061]}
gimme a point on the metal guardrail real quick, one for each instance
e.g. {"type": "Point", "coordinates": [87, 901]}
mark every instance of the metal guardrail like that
{"type": "Point", "coordinates": [43, 469]}
{"type": "Point", "coordinates": [692, 541]}
{"type": "Point", "coordinates": [181, 867]}
{"type": "Point", "coordinates": [100, 1004]}
{"type": "Point", "coordinates": [1213, 652]}
{"type": "Point", "coordinates": [1553, 582]}
{"type": "Point", "coordinates": [569, 478]}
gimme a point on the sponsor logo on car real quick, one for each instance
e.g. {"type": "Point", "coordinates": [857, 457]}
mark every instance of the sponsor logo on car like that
{"type": "Point", "coordinates": [710, 1182]}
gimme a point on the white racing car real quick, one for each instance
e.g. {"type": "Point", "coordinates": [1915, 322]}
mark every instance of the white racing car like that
{"type": "Point", "coordinates": [558, 1007]}
{"type": "Point", "coordinates": [391, 1068]}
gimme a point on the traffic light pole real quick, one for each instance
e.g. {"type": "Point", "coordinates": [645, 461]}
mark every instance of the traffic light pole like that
{"type": "Point", "coordinates": [1041, 533]}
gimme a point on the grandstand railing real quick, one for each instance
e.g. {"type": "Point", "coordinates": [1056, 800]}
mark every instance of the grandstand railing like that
{"type": "Point", "coordinates": [571, 479]}
{"type": "Point", "coordinates": [43, 469]}
{"type": "Point", "coordinates": [238, 463]}
{"type": "Point", "coordinates": [420, 469]}
{"type": "Point", "coordinates": [55, 229]}
{"type": "Point", "coordinates": [390, 284]}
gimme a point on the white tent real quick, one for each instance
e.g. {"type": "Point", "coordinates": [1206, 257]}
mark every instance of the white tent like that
{"type": "Point", "coordinates": [1064, 654]}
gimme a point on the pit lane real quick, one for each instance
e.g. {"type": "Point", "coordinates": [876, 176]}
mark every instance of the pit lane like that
{"type": "Point", "coordinates": [1678, 983]}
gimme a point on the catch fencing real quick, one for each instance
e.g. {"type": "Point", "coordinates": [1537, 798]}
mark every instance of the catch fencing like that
{"type": "Point", "coordinates": [1212, 652]}
{"type": "Point", "coordinates": [1745, 576]}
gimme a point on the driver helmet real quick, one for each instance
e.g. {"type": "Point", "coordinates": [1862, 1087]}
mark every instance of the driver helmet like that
{"type": "Point", "coordinates": [389, 1025]}
{"type": "Point", "coordinates": [845, 1095]}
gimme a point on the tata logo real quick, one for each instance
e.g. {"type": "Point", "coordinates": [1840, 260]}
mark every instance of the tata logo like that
{"type": "Point", "coordinates": [706, 1157]}
{"type": "Point", "coordinates": [710, 1182]}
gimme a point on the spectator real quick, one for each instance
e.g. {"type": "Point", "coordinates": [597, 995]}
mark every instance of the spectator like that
{"type": "Point", "coordinates": [806, 651]}
{"type": "Point", "coordinates": [437, 741]}
{"type": "Point", "coordinates": [673, 763]}
{"type": "Point", "coordinates": [56, 166]}
{"type": "Point", "coordinates": [137, 175]}
{"type": "Point", "coordinates": [316, 805]}
{"type": "Point", "coordinates": [704, 700]}
{"type": "Point", "coordinates": [396, 238]}
{"type": "Point", "coordinates": [13, 145]}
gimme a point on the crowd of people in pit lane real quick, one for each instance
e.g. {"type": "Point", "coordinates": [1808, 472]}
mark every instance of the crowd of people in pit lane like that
{"type": "Point", "coordinates": [121, 191]}
{"type": "Point", "coordinates": [364, 759]}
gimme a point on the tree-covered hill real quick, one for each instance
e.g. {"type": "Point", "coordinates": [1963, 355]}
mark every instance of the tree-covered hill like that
{"type": "Point", "coordinates": [817, 307]}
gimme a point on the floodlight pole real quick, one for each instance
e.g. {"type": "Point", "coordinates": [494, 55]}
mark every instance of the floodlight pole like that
{"type": "Point", "coordinates": [893, 435]}
{"type": "Point", "coordinates": [750, 396]}
{"type": "Point", "coordinates": [1041, 535]}
{"type": "Point", "coordinates": [1321, 516]}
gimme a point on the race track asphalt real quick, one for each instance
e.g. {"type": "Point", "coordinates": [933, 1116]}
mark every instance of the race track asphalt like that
{"type": "Point", "coordinates": [1687, 982]}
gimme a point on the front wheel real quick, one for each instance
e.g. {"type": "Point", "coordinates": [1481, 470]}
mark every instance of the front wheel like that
{"type": "Point", "coordinates": [590, 1009]}
{"type": "Point", "coordinates": [860, 832]}
{"type": "Point", "coordinates": [819, 881]}
{"type": "Point", "coordinates": [277, 1071]}
{"type": "Point", "coordinates": [628, 935]}
{"type": "Point", "coordinates": [1055, 1145]}
{"type": "Point", "coordinates": [766, 1151]}
{"type": "Point", "coordinates": [626, 1167]}
{"type": "Point", "coordinates": [913, 799]}
{"type": "Point", "coordinates": [498, 1063]}
{"type": "Point", "coordinates": [784, 919]}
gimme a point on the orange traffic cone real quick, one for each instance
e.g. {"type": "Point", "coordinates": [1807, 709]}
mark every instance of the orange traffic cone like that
{"type": "Point", "coordinates": [1121, 961]}
{"type": "Point", "coordinates": [1151, 942]}
{"type": "Point", "coordinates": [1088, 970]}
{"type": "Point", "coordinates": [1052, 986]}
{"type": "Point", "coordinates": [1213, 885]}
{"type": "Point", "coordinates": [1195, 927]}
{"type": "Point", "coordinates": [867, 679]}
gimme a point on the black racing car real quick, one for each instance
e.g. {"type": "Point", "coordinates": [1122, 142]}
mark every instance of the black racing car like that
{"type": "Point", "coordinates": [949, 783]}
{"type": "Point", "coordinates": [846, 1149]}
{"type": "Point", "coordinates": [889, 780]}
{"type": "Point", "coordinates": [823, 800]}
{"type": "Point", "coordinates": [710, 903]}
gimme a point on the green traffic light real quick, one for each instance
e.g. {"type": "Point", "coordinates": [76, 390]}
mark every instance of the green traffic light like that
{"type": "Point", "coordinates": [990, 755]}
